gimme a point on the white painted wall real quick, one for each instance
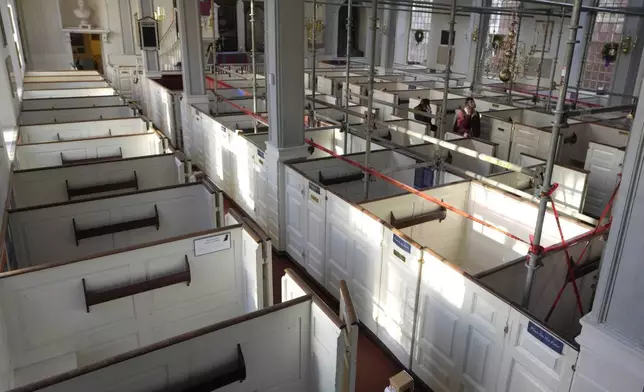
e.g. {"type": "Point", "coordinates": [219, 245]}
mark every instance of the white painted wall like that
{"type": "Point", "coordinates": [62, 103]}
{"type": "Point", "coordinates": [81, 130]}
{"type": "Point", "coordinates": [49, 185]}
{"type": "Point", "coordinates": [81, 92]}
{"type": "Point", "coordinates": [57, 322]}
{"type": "Point", "coordinates": [278, 359]}
{"type": "Point", "coordinates": [76, 114]}
{"type": "Point", "coordinates": [47, 47]}
{"type": "Point", "coordinates": [182, 210]}
{"type": "Point", "coordinates": [31, 156]}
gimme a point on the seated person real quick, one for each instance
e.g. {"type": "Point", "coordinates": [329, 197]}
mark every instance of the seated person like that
{"type": "Point", "coordinates": [468, 121]}
{"type": "Point", "coordinates": [424, 107]}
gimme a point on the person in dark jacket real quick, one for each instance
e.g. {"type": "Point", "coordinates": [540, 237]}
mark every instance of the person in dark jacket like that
{"type": "Point", "coordinates": [423, 106]}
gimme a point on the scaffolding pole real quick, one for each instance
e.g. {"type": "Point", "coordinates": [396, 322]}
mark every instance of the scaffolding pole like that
{"type": "Point", "coordinates": [543, 52]}
{"type": "Point", "coordinates": [559, 112]}
{"type": "Point", "coordinates": [589, 34]}
{"type": "Point", "coordinates": [215, 25]}
{"type": "Point", "coordinates": [553, 70]}
{"type": "Point", "coordinates": [372, 72]}
{"type": "Point", "coordinates": [346, 76]}
{"type": "Point", "coordinates": [253, 59]}
{"type": "Point", "coordinates": [448, 69]}
{"type": "Point", "coordinates": [314, 58]}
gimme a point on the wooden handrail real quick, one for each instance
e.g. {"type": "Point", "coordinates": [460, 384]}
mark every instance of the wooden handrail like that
{"type": "Point", "coordinates": [116, 227]}
{"type": "Point", "coordinates": [340, 179]}
{"type": "Point", "coordinates": [236, 373]}
{"type": "Point", "coordinates": [102, 188]}
{"type": "Point", "coordinates": [401, 223]}
{"type": "Point", "coordinates": [101, 296]}
{"type": "Point", "coordinates": [66, 162]}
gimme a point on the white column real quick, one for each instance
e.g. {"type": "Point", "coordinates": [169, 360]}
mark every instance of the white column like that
{"type": "Point", "coordinates": [612, 336]}
{"type": "Point", "coordinates": [389, 29]}
{"type": "Point", "coordinates": [402, 37]}
{"type": "Point", "coordinates": [192, 55]}
{"type": "Point", "coordinates": [127, 31]}
{"type": "Point", "coordinates": [627, 66]}
{"type": "Point", "coordinates": [150, 57]}
{"type": "Point", "coordinates": [241, 27]}
{"type": "Point", "coordinates": [285, 95]}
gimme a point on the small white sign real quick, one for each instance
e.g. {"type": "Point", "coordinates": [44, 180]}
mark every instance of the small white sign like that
{"type": "Point", "coordinates": [216, 243]}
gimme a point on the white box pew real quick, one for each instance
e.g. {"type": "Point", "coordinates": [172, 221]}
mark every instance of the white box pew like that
{"type": "Point", "coordinates": [72, 230]}
{"type": "Point", "coordinates": [63, 78]}
{"type": "Point", "coordinates": [65, 85]}
{"type": "Point", "coordinates": [68, 103]}
{"type": "Point", "coordinates": [407, 124]}
{"type": "Point", "coordinates": [573, 182]}
{"type": "Point", "coordinates": [234, 105]}
{"type": "Point", "coordinates": [465, 162]}
{"type": "Point", "coordinates": [69, 72]}
{"type": "Point", "coordinates": [310, 183]}
{"type": "Point", "coordinates": [68, 93]}
{"type": "Point", "coordinates": [35, 117]}
{"type": "Point", "coordinates": [458, 317]}
{"type": "Point", "coordinates": [242, 83]}
{"type": "Point", "coordinates": [37, 155]}
{"type": "Point", "coordinates": [519, 131]}
{"type": "Point", "coordinates": [303, 346]}
{"type": "Point", "coordinates": [162, 106]}
{"type": "Point", "coordinates": [58, 184]}
{"type": "Point", "coordinates": [236, 92]}
{"type": "Point", "coordinates": [82, 312]}
{"type": "Point", "coordinates": [29, 134]}
{"type": "Point", "coordinates": [585, 133]}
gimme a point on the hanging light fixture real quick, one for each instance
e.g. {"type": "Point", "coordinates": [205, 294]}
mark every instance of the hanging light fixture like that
{"type": "Point", "coordinates": [159, 13]}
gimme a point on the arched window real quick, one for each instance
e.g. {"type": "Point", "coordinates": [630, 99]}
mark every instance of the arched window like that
{"type": "Point", "coordinates": [419, 26]}
{"type": "Point", "coordinates": [598, 75]}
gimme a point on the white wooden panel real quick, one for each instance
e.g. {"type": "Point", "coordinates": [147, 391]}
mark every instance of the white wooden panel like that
{"type": "Point", "coordinates": [63, 78]}
{"type": "Point", "coordinates": [32, 156]}
{"type": "Point", "coordinates": [81, 92]}
{"type": "Point", "coordinates": [6, 367]}
{"type": "Point", "coordinates": [182, 210]}
{"type": "Point", "coordinates": [75, 115]}
{"type": "Point", "coordinates": [529, 364]}
{"type": "Point", "coordinates": [486, 248]}
{"type": "Point", "coordinates": [276, 359]}
{"type": "Point", "coordinates": [397, 299]}
{"type": "Point", "coordinates": [572, 182]}
{"type": "Point", "coordinates": [325, 346]}
{"type": "Point", "coordinates": [46, 314]}
{"type": "Point", "coordinates": [63, 73]}
{"type": "Point", "coordinates": [528, 140]}
{"type": "Point", "coordinates": [30, 134]}
{"type": "Point", "coordinates": [296, 210]}
{"type": "Point", "coordinates": [460, 331]}
{"type": "Point", "coordinates": [65, 85]}
{"type": "Point", "coordinates": [161, 110]}
{"type": "Point", "coordinates": [604, 163]}
{"type": "Point", "coordinates": [261, 188]}
{"type": "Point", "coordinates": [47, 186]}
{"type": "Point", "coordinates": [62, 103]}
{"type": "Point", "coordinates": [125, 126]}
{"type": "Point", "coordinates": [354, 254]}
{"type": "Point", "coordinates": [472, 164]}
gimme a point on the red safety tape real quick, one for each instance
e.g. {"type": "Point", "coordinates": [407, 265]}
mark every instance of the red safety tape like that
{"type": "Point", "coordinates": [597, 231]}
{"type": "Point", "coordinates": [413, 190]}
{"type": "Point", "coordinates": [539, 250]}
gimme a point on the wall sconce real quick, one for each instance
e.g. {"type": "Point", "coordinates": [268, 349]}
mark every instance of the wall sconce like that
{"type": "Point", "coordinates": [159, 14]}
{"type": "Point", "coordinates": [627, 44]}
{"type": "Point", "coordinates": [475, 34]}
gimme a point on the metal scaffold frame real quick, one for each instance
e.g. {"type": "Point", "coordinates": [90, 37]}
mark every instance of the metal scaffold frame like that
{"type": "Point", "coordinates": [560, 113]}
